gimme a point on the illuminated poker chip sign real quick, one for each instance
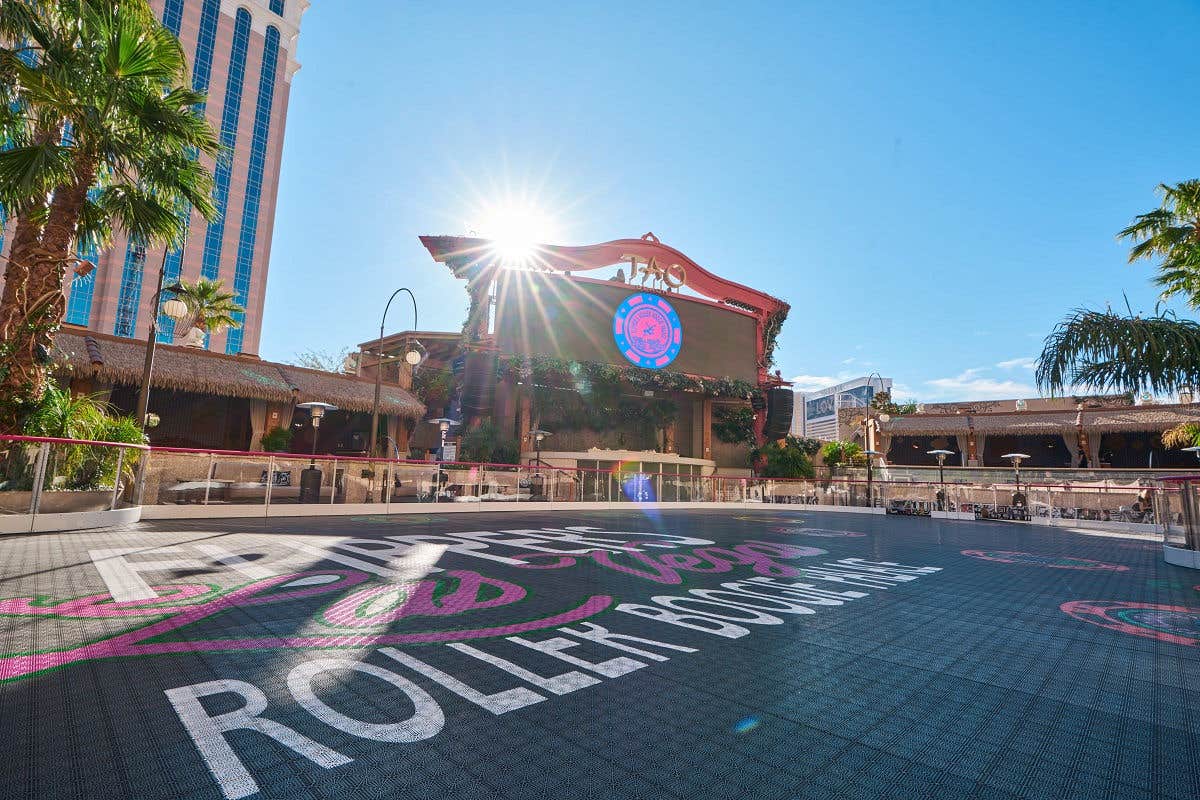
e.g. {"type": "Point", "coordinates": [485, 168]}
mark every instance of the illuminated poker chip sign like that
{"type": "Point", "coordinates": [647, 330]}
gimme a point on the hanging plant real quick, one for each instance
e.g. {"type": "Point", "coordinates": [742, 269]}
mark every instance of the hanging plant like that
{"type": "Point", "coordinates": [576, 375]}
{"type": "Point", "coordinates": [733, 424]}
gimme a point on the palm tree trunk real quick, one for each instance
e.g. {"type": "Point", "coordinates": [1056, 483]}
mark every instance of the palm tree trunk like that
{"type": "Point", "coordinates": [28, 322]}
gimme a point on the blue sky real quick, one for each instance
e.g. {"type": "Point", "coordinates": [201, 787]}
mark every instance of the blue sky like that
{"type": "Point", "coordinates": [930, 185]}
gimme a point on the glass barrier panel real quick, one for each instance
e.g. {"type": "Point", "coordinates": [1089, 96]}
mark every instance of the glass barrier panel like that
{"type": "Point", "coordinates": [84, 477]}
{"type": "Point", "coordinates": [177, 478]}
{"type": "Point", "coordinates": [1169, 503]}
{"type": "Point", "coordinates": [18, 465]}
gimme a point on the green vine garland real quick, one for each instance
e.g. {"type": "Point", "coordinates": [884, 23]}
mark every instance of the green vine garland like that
{"type": "Point", "coordinates": [564, 374]}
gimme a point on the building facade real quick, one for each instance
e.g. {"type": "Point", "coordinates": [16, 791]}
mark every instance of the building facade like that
{"type": "Point", "coordinates": [815, 414]}
{"type": "Point", "coordinates": [242, 53]}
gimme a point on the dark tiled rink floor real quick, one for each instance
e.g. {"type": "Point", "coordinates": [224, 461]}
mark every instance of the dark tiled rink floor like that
{"type": "Point", "coordinates": [299, 659]}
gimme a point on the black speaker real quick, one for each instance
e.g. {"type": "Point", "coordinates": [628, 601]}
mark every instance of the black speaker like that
{"type": "Point", "coordinates": [779, 413]}
{"type": "Point", "coordinates": [479, 383]}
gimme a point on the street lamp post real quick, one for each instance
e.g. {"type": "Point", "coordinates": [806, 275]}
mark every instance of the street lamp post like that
{"type": "Point", "coordinates": [1016, 459]}
{"type": "Point", "coordinates": [310, 478]}
{"type": "Point", "coordinates": [871, 426]}
{"type": "Point", "coordinates": [173, 308]}
{"type": "Point", "coordinates": [870, 492]}
{"type": "Point", "coordinates": [443, 424]}
{"type": "Point", "coordinates": [941, 457]}
{"type": "Point", "coordinates": [412, 357]}
{"type": "Point", "coordinates": [539, 436]}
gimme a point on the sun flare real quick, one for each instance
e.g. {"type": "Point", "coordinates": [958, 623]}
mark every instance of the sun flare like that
{"type": "Point", "coordinates": [516, 229]}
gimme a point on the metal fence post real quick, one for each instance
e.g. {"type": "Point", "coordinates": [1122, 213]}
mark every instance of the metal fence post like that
{"type": "Point", "coordinates": [112, 506]}
{"type": "Point", "coordinates": [140, 482]}
{"type": "Point", "coordinates": [332, 483]}
{"type": "Point", "coordinates": [270, 484]}
{"type": "Point", "coordinates": [39, 477]}
{"type": "Point", "coordinates": [208, 481]}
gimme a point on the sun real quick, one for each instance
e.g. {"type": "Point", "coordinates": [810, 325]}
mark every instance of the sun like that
{"type": "Point", "coordinates": [516, 228]}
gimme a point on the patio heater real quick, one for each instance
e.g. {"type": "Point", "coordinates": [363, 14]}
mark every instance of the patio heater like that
{"type": "Point", "coordinates": [1194, 450]}
{"type": "Point", "coordinates": [310, 478]}
{"type": "Point", "coordinates": [536, 483]}
{"type": "Point", "coordinates": [1016, 459]}
{"type": "Point", "coordinates": [443, 424]}
{"type": "Point", "coordinates": [941, 457]}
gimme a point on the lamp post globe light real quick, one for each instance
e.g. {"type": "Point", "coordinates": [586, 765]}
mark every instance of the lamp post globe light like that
{"type": "Point", "coordinates": [539, 436]}
{"type": "Point", "coordinates": [310, 477]}
{"type": "Point", "coordinates": [871, 422]}
{"type": "Point", "coordinates": [174, 308]}
{"type": "Point", "coordinates": [941, 457]}
{"type": "Point", "coordinates": [412, 356]}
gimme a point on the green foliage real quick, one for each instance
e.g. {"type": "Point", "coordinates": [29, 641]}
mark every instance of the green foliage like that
{"type": "Point", "coordinates": [600, 406]}
{"type": "Point", "coordinates": [65, 416]}
{"type": "Point", "coordinates": [276, 440]}
{"type": "Point", "coordinates": [771, 329]}
{"type": "Point", "coordinates": [733, 424]}
{"type": "Point", "coordinates": [841, 453]}
{"type": "Point", "coordinates": [485, 443]}
{"type": "Point", "coordinates": [882, 402]}
{"type": "Point", "coordinates": [1171, 232]}
{"type": "Point", "coordinates": [120, 80]}
{"type": "Point", "coordinates": [789, 457]}
{"type": "Point", "coordinates": [1106, 350]}
{"type": "Point", "coordinates": [1158, 353]}
{"type": "Point", "coordinates": [1185, 434]}
{"type": "Point", "coordinates": [810, 447]}
{"type": "Point", "coordinates": [210, 307]}
{"type": "Point", "coordinates": [433, 387]}
{"type": "Point", "coordinates": [564, 374]}
{"type": "Point", "coordinates": [61, 415]}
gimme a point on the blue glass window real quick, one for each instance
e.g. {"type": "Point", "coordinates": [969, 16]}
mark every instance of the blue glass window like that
{"type": "Point", "coordinates": [202, 68]}
{"type": "Point", "coordinates": [201, 74]}
{"type": "Point", "coordinates": [210, 265]}
{"type": "Point", "coordinates": [277, 7]}
{"type": "Point", "coordinates": [131, 289]}
{"type": "Point", "coordinates": [173, 16]}
{"type": "Point", "coordinates": [254, 180]}
{"type": "Point", "coordinates": [79, 301]}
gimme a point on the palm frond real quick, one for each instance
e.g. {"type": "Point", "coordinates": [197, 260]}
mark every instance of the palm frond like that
{"type": "Point", "coordinates": [1106, 351]}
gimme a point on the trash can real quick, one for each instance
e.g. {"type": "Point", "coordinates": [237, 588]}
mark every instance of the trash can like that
{"type": "Point", "coordinates": [310, 485]}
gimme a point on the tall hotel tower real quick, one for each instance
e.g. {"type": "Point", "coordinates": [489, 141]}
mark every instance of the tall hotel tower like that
{"type": "Point", "coordinates": [243, 54]}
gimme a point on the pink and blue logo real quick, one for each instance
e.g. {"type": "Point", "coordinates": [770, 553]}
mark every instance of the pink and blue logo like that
{"type": "Point", "coordinates": [647, 330]}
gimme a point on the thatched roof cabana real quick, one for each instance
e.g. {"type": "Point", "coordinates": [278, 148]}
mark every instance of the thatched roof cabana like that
{"type": "Point", "coordinates": [1150, 419]}
{"type": "Point", "coordinates": [349, 393]}
{"type": "Point", "coordinates": [1140, 418]}
{"type": "Point", "coordinates": [926, 425]}
{"type": "Point", "coordinates": [118, 360]}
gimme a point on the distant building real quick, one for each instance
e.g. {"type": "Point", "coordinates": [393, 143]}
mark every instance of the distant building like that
{"type": "Point", "coordinates": [815, 414]}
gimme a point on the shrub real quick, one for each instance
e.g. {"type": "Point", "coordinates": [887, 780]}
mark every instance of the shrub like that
{"type": "Point", "coordinates": [785, 458]}
{"type": "Point", "coordinates": [276, 440]}
{"type": "Point", "coordinates": [484, 443]}
{"type": "Point", "coordinates": [841, 453]}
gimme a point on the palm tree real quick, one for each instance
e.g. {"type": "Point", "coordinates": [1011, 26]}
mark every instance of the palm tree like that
{"type": "Point", "coordinates": [1158, 353]}
{"type": "Point", "coordinates": [1172, 232]}
{"type": "Point", "coordinates": [106, 137]}
{"type": "Point", "coordinates": [210, 309]}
